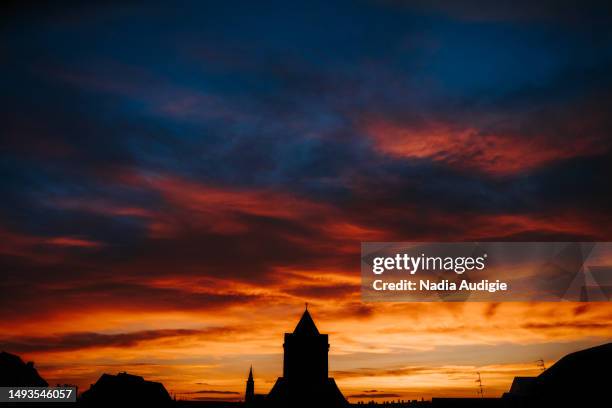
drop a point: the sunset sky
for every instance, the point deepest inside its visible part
(178, 180)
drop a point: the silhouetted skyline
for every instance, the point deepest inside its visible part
(177, 180)
(579, 378)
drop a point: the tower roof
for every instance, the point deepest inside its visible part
(306, 325)
(251, 374)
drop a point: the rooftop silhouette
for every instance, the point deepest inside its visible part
(582, 377)
(125, 388)
(306, 326)
(14, 372)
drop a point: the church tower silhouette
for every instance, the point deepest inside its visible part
(305, 378)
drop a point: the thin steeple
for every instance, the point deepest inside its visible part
(249, 395)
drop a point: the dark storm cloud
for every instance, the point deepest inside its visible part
(375, 395)
(326, 291)
(564, 11)
(42, 299)
(84, 340)
(213, 392)
(566, 325)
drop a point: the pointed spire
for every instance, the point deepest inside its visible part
(249, 394)
(306, 325)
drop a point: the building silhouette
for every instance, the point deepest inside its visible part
(581, 378)
(305, 379)
(125, 389)
(15, 373)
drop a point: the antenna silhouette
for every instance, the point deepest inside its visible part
(480, 390)
(541, 364)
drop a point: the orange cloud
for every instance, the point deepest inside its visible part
(100, 206)
(72, 242)
(38, 248)
(471, 148)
